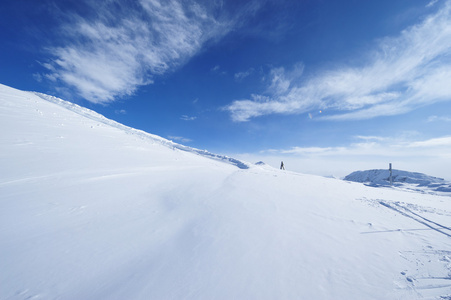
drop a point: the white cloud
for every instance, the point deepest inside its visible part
(120, 112)
(217, 70)
(121, 49)
(180, 139)
(437, 118)
(187, 118)
(370, 138)
(432, 143)
(37, 77)
(432, 3)
(241, 75)
(402, 74)
(380, 146)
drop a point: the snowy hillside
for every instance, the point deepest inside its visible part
(402, 179)
(91, 209)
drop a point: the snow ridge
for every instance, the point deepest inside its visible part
(136, 132)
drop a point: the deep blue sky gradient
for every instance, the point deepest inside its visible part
(188, 101)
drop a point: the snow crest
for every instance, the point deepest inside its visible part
(142, 134)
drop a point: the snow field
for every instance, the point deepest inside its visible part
(91, 209)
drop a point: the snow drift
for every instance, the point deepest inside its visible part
(91, 209)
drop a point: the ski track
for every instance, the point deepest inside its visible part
(409, 214)
(410, 211)
(424, 279)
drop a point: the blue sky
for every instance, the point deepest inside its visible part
(327, 86)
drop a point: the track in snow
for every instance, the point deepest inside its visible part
(414, 216)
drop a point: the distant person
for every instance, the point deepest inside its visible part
(282, 167)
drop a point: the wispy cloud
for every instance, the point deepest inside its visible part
(215, 68)
(125, 46)
(439, 119)
(365, 146)
(241, 75)
(432, 3)
(370, 138)
(402, 74)
(187, 118)
(432, 143)
(180, 139)
(120, 112)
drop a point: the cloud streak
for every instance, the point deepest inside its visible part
(379, 147)
(439, 119)
(124, 47)
(241, 75)
(402, 73)
(187, 118)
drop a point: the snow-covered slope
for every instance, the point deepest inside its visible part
(91, 209)
(99, 119)
(402, 179)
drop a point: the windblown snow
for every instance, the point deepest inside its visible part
(92, 209)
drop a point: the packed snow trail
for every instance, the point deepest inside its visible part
(93, 210)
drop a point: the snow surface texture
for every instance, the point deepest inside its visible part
(91, 209)
(412, 181)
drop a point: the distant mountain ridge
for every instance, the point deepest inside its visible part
(404, 179)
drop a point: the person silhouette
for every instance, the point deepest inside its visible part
(282, 166)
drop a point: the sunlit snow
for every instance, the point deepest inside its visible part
(92, 209)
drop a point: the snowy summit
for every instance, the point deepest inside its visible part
(403, 179)
(92, 209)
